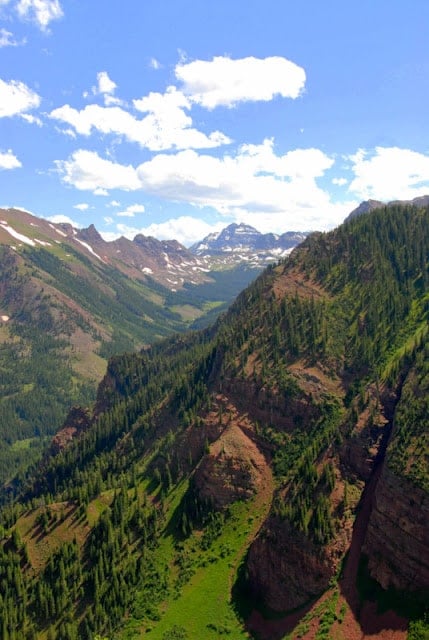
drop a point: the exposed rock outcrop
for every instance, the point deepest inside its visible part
(77, 421)
(286, 569)
(397, 540)
(232, 470)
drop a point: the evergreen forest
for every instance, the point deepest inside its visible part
(220, 473)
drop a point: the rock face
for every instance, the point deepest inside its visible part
(285, 569)
(77, 421)
(397, 540)
(232, 470)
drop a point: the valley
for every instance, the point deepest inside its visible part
(70, 300)
(265, 476)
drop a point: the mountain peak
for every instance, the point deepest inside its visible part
(90, 234)
(364, 207)
(244, 242)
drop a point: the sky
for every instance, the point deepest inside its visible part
(175, 118)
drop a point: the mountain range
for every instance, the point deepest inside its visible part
(264, 477)
(241, 243)
(69, 300)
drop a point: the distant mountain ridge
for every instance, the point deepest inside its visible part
(168, 262)
(238, 242)
(69, 300)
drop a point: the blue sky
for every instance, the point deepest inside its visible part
(175, 118)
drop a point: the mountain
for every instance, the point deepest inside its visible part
(239, 243)
(168, 262)
(69, 300)
(275, 462)
(370, 205)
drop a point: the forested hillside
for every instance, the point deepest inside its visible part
(68, 301)
(225, 477)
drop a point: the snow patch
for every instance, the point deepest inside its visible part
(18, 236)
(147, 270)
(58, 231)
(90, 249)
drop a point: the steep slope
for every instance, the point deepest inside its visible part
(69, 300)
(254, 444)
(398, 534)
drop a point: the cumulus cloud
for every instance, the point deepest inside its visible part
(272, 192)
(42, 12)
(86, 171)
(16, 98)
(83, 206)
(166, 122)
(256, 180)
(106, 87)
(166, 126)
(131, 211)
(390, 173)
(8, 160)
(226, 82)
(105, 84)
(185, 229)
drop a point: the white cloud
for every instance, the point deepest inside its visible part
(114, 203)
(166, 126)
(86, 171)
(131, 210)
(105, 84)
(272, 192)
(226, 82)
(8, 160)
(7, 39)
(389, 173)
(16, 98)
(281, 189)
(42, 12)
(31, 119)
(106, 87)
(185, 229)
(339, 182)
(83, 206)
(61, 219)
